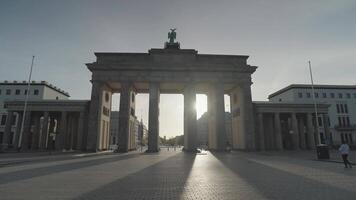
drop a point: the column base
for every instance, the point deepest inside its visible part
(152, 151)
(191, 150)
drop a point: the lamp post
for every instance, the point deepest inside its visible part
(25, 106)
(315, 105)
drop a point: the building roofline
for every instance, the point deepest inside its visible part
(45, 83)
(307, 86)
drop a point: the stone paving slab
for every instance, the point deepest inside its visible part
(179, 175)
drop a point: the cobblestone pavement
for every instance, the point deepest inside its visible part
(178, 175)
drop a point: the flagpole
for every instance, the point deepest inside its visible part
(25, 106)
(315, 105)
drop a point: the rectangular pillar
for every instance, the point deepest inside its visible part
(302, 141)
(153, 118)
(261, 132)
(327, 129)
(247, 116)
(26, 134)
(278, 132)
(8, 125)
(311, 130)
(190, 118)
(44, 132)
(80, 131)
(61, 136)
(217, 127)
(295, 131)
(36, 131)
(124, 118)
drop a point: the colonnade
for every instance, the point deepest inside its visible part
(292, 131)
(45, 130)
(216, 109)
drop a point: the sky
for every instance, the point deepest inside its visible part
(279, 36)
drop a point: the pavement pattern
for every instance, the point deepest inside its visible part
(177, 175)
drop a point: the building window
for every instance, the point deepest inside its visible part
(350, 138)
(0, 92)
(348, 95)
(3, 120)
(329, 121)
(332, 95)
(316, 95)
(280, 100)
(324, 95)
(343, 121)
(300, 95)
(25, 92)
(1, 136)
(346, 109)
(35, 92)
(341, 108)
(308, 94)
(14, 120)
(342, 137)
(320, 121)
(355, 95)
(8, 92)
(337, 108)
(340, 95)
(339, 119)
(347, 121)
(17, 92)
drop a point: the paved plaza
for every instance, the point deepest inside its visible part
(175, 175)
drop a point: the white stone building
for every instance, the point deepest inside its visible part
(16, 91)
(134, 138)
(341, 114)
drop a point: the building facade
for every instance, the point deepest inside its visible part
(341, 117)
(203, 129)
(134, 137)
(17, 91)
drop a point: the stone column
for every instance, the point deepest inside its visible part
(295, 131)
(327, 129)
(247, 116)
(80, 131)
(25, 137)
(261, 132)
(310, 130)
(302, 133)
(278, 132)
(18, 129)
(36, 131)
(44, 132)
(190, 118)
(153, 118)
(8, 125)
(216, 125)
(95, 111)
(61, 136)
(124, 118)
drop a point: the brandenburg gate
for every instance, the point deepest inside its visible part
(174, 71)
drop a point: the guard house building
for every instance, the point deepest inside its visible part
(341, 114)
(17, 91)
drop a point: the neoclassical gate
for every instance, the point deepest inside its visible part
(175, 71)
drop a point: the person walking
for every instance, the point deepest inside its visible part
(345, 150)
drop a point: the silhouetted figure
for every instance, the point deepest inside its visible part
(345, 150)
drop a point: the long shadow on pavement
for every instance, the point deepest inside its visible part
(42, 171)
(164, 180)
(276, 184)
